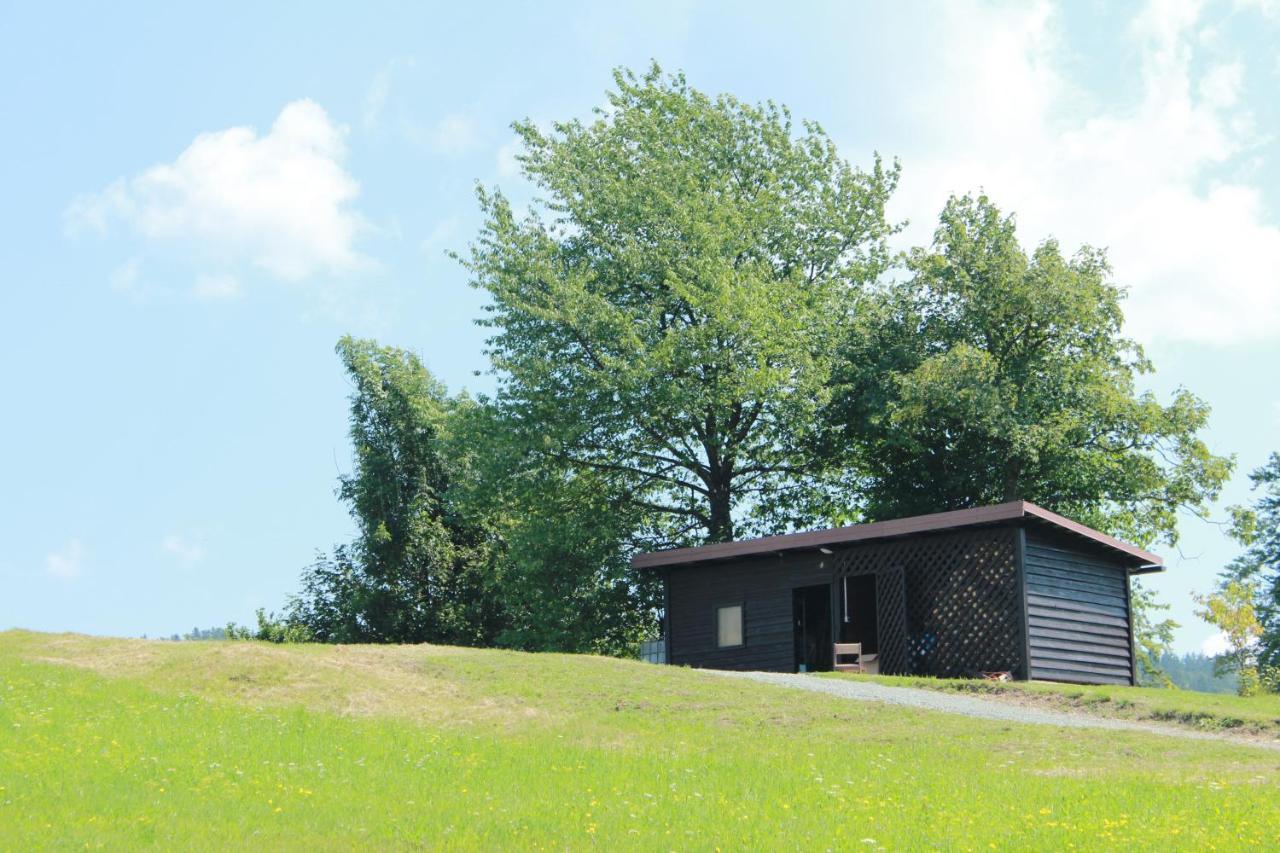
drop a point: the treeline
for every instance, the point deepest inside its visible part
(699, 333)
(1194, 671)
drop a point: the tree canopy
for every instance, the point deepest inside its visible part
(666, 317)
(419, 571)
(564, 540)
(988, 374)
(698, 332)
(463, 536)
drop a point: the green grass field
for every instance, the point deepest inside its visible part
(125, 743)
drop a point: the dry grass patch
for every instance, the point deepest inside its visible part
(395, 681)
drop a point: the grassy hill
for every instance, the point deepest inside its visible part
(122, 743)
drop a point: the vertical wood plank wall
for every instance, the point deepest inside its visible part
(1077, 613)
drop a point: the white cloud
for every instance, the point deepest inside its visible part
(1221, 86)
(186, 552)
(280, 202)
(1214, 645)
(216, 288)
(1150, 180)
(67, 563)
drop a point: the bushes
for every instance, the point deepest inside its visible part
(270, 629)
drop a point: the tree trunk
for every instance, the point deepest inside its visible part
(720, 528)
(1012, 472)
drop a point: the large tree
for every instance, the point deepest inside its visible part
(665, 318)
(419, 570)
(988, 374)
(565, 539)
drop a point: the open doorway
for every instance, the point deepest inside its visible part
(858, 623)
(811, 606)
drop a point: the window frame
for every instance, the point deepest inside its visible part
(742, 623)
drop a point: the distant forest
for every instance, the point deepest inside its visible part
(1194, 671)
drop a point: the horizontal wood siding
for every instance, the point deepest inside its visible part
(1077, 613)
(763, 586)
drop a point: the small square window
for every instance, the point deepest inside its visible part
(729, 625)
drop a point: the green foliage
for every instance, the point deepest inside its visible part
(991, 375)
(418, 571)
(1245, 606)
(1257, 527)
(1152, 639)
(270, 629)
(571, 587)
(663, 322)
(280, 630)
(426, 571)
(332, 601)
(234, 631)
(465, 536)
(1230, 608)
(567, 580)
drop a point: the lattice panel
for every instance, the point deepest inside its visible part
(947, 605)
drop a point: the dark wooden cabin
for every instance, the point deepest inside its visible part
(1005, 588)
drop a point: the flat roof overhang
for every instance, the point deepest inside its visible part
(1138, 561)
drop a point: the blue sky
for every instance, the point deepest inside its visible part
(198, 202)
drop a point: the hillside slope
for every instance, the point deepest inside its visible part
(123, 742)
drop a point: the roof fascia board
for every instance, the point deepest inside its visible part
(819, 539)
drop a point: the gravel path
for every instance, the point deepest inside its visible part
(972, 706)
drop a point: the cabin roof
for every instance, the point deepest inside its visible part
(1137, 559)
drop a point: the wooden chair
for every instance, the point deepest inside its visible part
(869, 663)
(853, 650)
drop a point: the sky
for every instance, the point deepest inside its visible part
(198, 202)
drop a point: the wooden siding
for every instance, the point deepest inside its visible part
(948, 604)
(1077, 613)
(959, 605)
(763, 586)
